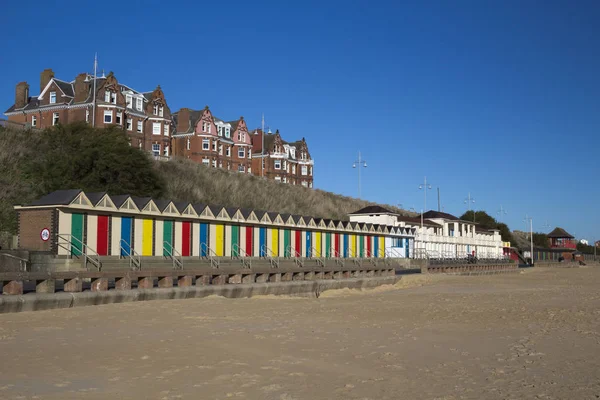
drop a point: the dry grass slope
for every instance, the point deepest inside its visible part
(188, 181)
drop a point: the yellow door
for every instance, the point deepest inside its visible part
(220, 243)
(147, 235)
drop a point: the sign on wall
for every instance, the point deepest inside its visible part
(45, 234)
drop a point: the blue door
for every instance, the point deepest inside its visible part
(346, 247)
(262, 241)
(308, 244)
(203, 240)
(125, 236)
(407, 249)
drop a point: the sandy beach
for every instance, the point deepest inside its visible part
(533, 335)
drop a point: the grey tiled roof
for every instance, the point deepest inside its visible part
(59, 197)
(95, 197)
(66, 87)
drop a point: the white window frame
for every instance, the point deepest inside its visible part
(129, 123)
(140, 127)
(33, 121)
(55, 118)
(241, 168)
(277, 164)
(241, 152)
(156, 128)
(220, 130)
(220, 149)
(108, 113)
(228, 151)
(188, 144)
(107, 96)
(277, 179)
(166, 150)
(129, 101)
(214, 145)
(205, 144)
(119, 118)
(214, 163)
(52, 97)
(139, 104)
(304, 170)
(156, 149)
(113, 97)
(166, 129)
(155, 109)
(227, 132)
(161, 111)
(87, 115)
(293, 168)
(206, 161)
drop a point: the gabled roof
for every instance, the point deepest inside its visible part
(66, 87)
(59, 197)
(439, 214)
(181, 205)
(141, 202)
(119, 199)
(95, 197)
(560, 233)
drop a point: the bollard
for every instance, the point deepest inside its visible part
(262, 278)
(276, 277)
(13, 287)
(165, 282)
(45, 286)
(184, 281)
(237, 278)
(287, 276)
(248, 278)
(73, 285)
(123, 283)
(99, 284)
(203, 280)
(219, 279)
(146, 283)
(298, 276)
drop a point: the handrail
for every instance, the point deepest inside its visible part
(320, 260)
(370, 257)
(210, 254)
(266, 253)
(94, 258)
(298, 260)
(245, 259)
(175, 255)
(135, 261)
(22, 261)
(337, 257)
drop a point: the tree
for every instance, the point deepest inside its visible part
(77, 156)
(540, 240)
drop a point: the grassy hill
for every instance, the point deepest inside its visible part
(33, 163)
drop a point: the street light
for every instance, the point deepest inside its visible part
(502, 212)
(425, 186)
(360, 162)
(421, 231)
(468, 202)
(530, 234)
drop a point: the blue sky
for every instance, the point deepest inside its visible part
(497, 98)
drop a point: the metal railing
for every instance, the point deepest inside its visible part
(89, 255)
(299, 261)
(370, 257)
(135, 261)
(266, 252)
(242, 256)
(174, 254)
(22, 261)
(338, 259)
(210, 254)
(319, 259)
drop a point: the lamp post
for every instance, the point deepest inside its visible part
(421, 231)
(530, 234)
(357, 164)
(468, 201)
(502, 211)
(424, 186)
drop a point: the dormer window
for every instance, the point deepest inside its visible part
(220, 130)
(161, 111)
(205, 126)
(241, 136)
(52, 97)
(110, 97)
(155, 109)
(129, 100)
(138, 104)
(227, 133)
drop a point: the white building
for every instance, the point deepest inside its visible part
(434, 235)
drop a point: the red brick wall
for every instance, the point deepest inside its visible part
(31, 223)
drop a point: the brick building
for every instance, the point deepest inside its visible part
(287, 162)
(145, 116)
(205, 139)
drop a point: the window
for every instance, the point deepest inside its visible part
(220, 149)
(205, 144)
(52, 97)
(228, 151)
(108, 117)
(87, 115)
(140, 127)
(33, 121)
(285, 165)
(166, 151)
(241, 152)
(220, 164)
(129, 124)
(156, 128)
(304, 183)
(294, 169)
(214, 163)
(241, 168)
(284, 179)
(249, 154)
(138, 103)
(188, 144)
(139, 144)
(227, 133)
(205, 127)
(277, 164)
(113, 97)
(161, 111)
(129, 101)
(242, 136)
(107, 96)
(277, 179)
(54, 118)
(155, 149)
(310, 171)
(110, 97)
(220, 130)
(119, 118)
(304, 170)
(205, 161)
(310, 184)
(214, 145)
(155, 109)
(166, 129)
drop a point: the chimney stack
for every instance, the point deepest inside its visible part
(183, 120)
(21, 95)
(81, 88)
(45, 77)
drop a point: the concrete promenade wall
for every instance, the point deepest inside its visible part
(48, 301)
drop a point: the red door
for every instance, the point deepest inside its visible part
(337, 245)
(249, 247)
(369, 253)
(298, 243)
(102, 245)
(185, 238)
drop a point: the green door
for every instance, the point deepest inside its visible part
(235, 240)
(168, 238)
(287, 239)
(362, 246)
(328, 245)
(76, 234)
